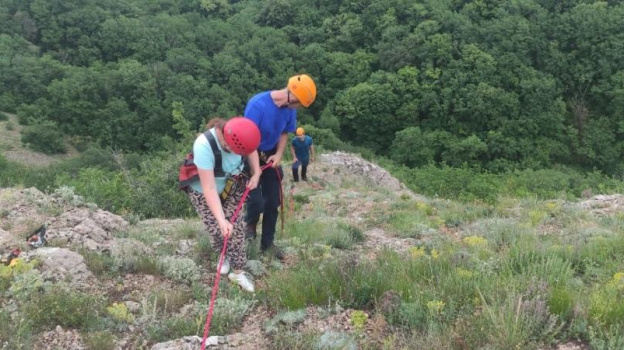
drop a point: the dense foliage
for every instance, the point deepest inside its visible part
(499, 85)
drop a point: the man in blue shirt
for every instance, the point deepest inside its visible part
(300, 148)
(274, 112)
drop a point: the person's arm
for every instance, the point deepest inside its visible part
(281, 146)
(254, 163)
(292, 151)
(209, 187)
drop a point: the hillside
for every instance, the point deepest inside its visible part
(370, 265)
(12, 148)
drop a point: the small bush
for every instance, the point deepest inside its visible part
(127, 253)
(286, 340)
(99, 341)
(518, 321)
(169, 301)
(64, 307)
(44, 137)
(15, 333)
(120, 313)
(561, 302)
(179, 269)
(228, 314)
(3, 116)
(174, 328)
(607, 339)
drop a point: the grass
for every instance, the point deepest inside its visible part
(517, 272)
(67, 308)
(99, 341)
(504, 280)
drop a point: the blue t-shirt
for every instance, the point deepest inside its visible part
(203, 157)
(271, 119)
(302, 147)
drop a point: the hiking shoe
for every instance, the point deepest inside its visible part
(250, 232)
(275, 251)
(243, 281)
(225, 268)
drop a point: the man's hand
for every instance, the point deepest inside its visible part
(253, 181)
(226, 228)
(276, 159)
(295, 160)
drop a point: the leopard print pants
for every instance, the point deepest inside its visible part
(236, 244)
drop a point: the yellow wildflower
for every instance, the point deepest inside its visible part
(476, 241)
(463, 273)
(417, 252)
(435, 306)
(435, 254)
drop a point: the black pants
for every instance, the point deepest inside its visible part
(265, 200)
(304, 170)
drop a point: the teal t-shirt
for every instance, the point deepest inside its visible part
(204, 159)
(302, 147)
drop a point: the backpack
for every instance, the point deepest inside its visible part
(188, 169)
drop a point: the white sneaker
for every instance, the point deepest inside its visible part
(225, 268)
(242, 280)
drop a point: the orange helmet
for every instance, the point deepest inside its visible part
(241, 135)
(300, 131)
(303, 87)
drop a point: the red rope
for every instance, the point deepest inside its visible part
(215, 289)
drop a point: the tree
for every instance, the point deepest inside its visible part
(366, 113)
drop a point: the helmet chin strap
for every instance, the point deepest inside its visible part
(287, 104)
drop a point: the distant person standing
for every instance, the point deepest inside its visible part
(301, 148)
(275, 113)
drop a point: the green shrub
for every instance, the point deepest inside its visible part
(456, 183)
(169, 301)
(179, 269)
(8, 102)
(127, 253)
(3, 117)
(100, 341)
(552, 269)
(119, 313)
(64, 307)
(561, 302)
(98, 263)
(228, 314)
(44, 136)
(343, 236)
(606, 339)
(412, 315)
(518, 322)
(287, 340)
(173, 328)
(15, 333)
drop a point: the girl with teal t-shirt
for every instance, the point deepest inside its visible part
(234, 139)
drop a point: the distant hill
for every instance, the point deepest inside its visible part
(12, 148)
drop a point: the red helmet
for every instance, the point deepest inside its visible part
(241, 135)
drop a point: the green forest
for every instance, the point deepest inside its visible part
(487, 86)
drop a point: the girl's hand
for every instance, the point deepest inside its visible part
(226, 228)
(253, 181)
